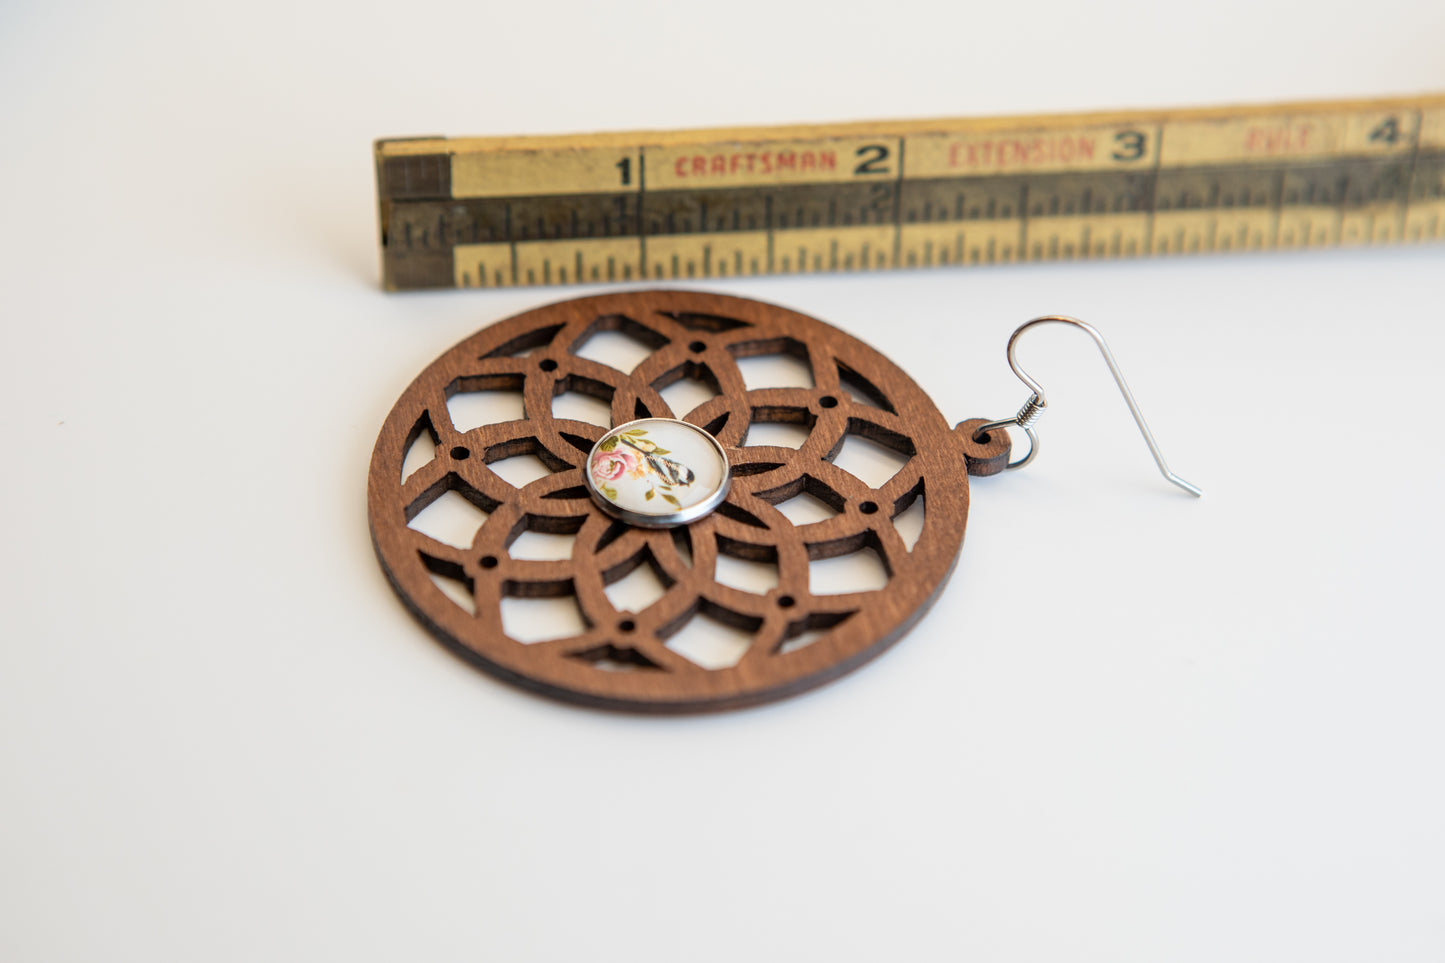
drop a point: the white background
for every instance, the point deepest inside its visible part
(1137, 727)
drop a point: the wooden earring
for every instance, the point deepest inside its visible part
(675, 491)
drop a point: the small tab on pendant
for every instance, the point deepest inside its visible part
(658, 473)
(986, 456)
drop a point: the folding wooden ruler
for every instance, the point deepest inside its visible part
(505, 211)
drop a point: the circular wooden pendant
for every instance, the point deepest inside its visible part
(870, 448)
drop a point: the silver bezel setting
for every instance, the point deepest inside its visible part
(672, 519)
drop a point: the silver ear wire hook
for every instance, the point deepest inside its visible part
(1033, 409)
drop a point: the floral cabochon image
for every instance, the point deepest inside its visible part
(656, 466)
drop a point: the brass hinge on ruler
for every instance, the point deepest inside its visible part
(505, 211)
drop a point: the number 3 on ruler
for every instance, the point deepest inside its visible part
(1130, 145)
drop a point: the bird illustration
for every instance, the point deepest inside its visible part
(675, 472)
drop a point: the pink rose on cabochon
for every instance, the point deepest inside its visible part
(609, 465)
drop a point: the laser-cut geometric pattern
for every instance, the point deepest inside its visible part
(621, 659)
